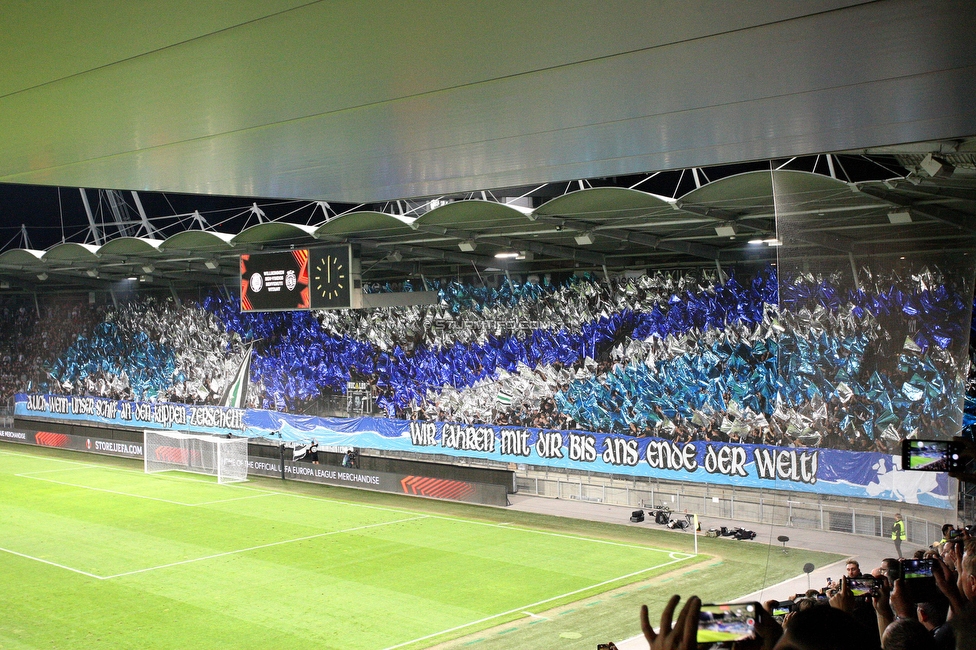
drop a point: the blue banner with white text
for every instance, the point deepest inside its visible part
(823, 471)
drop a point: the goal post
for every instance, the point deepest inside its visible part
(225, 458)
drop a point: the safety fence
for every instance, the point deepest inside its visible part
(869, 517)
(875, 519)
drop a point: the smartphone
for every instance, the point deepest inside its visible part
(916, 569)
(864, 587)
(722, 625)
(919, 579)
(930, 455)
(782, 608)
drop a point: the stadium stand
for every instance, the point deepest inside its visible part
(678, 356)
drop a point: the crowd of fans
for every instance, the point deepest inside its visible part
(680, 356)
(33, 336)
(902, 612)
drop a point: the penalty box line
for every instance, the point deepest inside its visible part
(404, 511)
(137, 496)
(208, 557)
(522, 609)
(474, 522)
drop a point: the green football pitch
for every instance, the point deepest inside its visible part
(96, 554)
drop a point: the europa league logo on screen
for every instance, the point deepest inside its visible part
(275, 281)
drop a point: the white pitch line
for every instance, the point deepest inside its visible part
(211, 503)
(98, 489)
(507, 525)
(401, 511)
(49, 471)
(589, 539)
(124, 494)
(543, 618)
(55, 564)
(136, 496)
(207, 557)
(524, 607)
(260, 546)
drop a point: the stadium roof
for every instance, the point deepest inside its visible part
(578, 135)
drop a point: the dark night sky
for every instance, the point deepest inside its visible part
(51, 214)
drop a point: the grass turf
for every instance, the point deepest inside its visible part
(97, 554)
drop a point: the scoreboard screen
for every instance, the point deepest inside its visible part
(275, 281)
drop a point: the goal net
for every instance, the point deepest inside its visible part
(225, 458)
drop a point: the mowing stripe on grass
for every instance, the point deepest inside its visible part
(675, 555)
(215, 555)
(136, 496)
(531, 605)
(260, 546)
(237, 486)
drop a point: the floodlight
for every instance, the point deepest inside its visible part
(727, 230)
(584, 238)
(936, 167)
(900, 217)
(468, 245)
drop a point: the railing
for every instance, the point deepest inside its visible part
(868, 517)
(860, 517)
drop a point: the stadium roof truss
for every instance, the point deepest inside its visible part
(698, 218)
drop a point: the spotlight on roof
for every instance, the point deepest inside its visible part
(756, 242)
(468, 245)
(936, 166)
(148, 268)
(212, 264)
(42, 276)
(900, 217)
(145, 278)
(506, 255)
(584, 238)
(528, 256)
(4, 285)
(92, 273)
(727, 230)
(395, 256)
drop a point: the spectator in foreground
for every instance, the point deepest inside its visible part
(816, 628)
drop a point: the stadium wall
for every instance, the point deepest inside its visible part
(416, 483)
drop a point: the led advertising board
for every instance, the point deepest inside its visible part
(275, 281)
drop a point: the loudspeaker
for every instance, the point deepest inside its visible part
(637, 516)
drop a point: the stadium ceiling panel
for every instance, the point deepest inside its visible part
(198, 240)
(365, 223)
(290, 98)
(72, 252)
(274, 232)
(130, 246)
